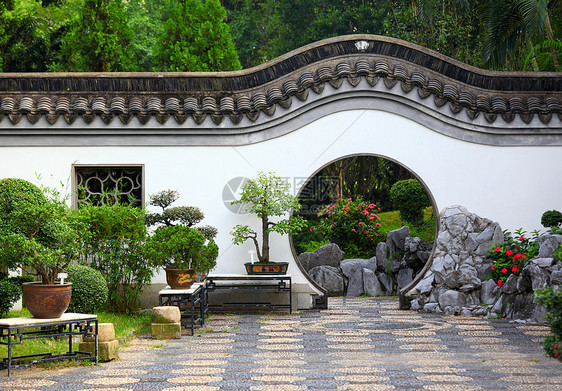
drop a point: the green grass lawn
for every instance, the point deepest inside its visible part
(391, 221)
(126, 327)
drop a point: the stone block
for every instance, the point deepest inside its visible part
(107, 351)
(106, 333)
(166, 330)
(166, 314)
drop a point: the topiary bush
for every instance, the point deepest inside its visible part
(14, 191)
(551, 219)
(410, 198)
(9, 294)
(89, 289)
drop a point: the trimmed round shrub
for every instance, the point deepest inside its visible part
(551, 219)
(410, 198)
(89, 289)
(14, 191)
(9, 294)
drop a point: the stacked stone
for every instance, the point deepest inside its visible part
(396, 263)
(108, 346)
(459, 279)
(166, 322)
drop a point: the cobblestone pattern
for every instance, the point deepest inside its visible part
(357, 344)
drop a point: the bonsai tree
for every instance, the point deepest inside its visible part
(268, 197)
(177, 243)
(181, 247)
(34, 230)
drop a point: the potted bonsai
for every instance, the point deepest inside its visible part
(177, 245)
(35, 232)
(268, 196)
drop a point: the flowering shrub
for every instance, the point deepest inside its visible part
(354, 224)
(509, 257)
(551, 299)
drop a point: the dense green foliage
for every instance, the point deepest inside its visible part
(551, 219)
(198, 35)
(353, 224)
(9, 294)
(410, 199)
(181, 247)
(35, 231)
(89, 289)
(551, 299)
(196, 39)
(510, 256)
(111, 241)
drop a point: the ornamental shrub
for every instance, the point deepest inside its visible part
(89, 289)
(410, 198)
(551, 299)
(353, 225)
(551, 219)
(14, 192)
(9, 294)
(510, 256)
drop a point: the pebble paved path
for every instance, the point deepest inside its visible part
(357, 344)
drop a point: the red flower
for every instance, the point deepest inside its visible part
(522, 238)
(556, 346)
(497, 249)
(509, 253)
(312, 229)
(514, 269)
(556, 355)
(504, 270)
(500, 283)
(493, 267)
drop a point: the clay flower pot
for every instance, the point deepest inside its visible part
(46, 301)
(180, 279)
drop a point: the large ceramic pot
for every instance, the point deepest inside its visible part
(180, 279)
(47, 301)
(275, 268)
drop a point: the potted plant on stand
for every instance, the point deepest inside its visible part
(182, 249)
(268, 196)
(35, 232)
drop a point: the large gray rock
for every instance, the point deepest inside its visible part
(371, 283)
(548, 244)
(330, 278)
(452, 298)
(405, 276)
(327, 255)
(425, 285)
(489, 292)
(395, 239)
(386, 282)
(353, 270)
(556, 277)
(539, 277)
(381, 255)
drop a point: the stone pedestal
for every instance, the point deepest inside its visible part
(108, 346)
(166, 322)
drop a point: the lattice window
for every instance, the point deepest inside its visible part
(109, 185)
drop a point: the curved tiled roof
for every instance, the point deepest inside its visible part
(259, 91)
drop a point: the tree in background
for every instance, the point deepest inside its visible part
(99, 40)
(196, 38)
(523, 35)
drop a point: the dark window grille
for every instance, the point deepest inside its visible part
(97, 185)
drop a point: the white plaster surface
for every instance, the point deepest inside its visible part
(511, 185)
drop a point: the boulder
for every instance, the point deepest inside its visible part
(489, 292)
(395, 240)
(353, 270)
(425, 285)
(328, 255)
(452, 298)
(386, 282)
(371, 284)
(538, 277)
(381, 255)
(330, 278)
(556, 277)
(548, 244)
(405, 276)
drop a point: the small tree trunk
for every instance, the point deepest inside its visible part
(265, 246)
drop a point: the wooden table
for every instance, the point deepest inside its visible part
(276, 283)
(13, 331)
(191, 302)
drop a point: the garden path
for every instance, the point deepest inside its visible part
(356, 344)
